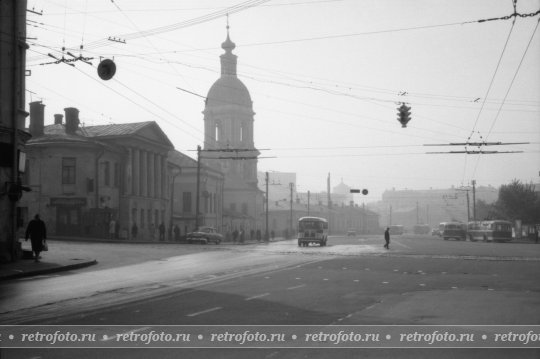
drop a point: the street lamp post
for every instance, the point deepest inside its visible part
(197, 195)
(176, 174)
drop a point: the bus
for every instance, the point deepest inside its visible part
(456, 230)
(490, 231)
(312, 230)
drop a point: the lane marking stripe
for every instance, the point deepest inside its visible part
(204, 312)
(296, 287)
(257, 296)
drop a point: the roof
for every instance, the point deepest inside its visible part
(121, 129)
(228, 90)
(57, 133)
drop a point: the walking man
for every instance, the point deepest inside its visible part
(38, 234)
(387, 238)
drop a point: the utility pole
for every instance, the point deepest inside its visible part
(291, 203)
(329, 204)
(197, 195)
(474, 199)
(308, 198)
(266, 234)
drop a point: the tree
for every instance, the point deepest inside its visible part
(519, 201)
(486, 211)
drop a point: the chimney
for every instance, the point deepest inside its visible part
(72, 120)
(36, 118)
(58, 118)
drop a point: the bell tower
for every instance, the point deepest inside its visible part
(228, 126)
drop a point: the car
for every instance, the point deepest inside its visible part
(351, 232)
(204, 235)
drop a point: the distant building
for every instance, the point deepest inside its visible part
(183, 179)
(228, 126)
(429, 206)
(83, 177)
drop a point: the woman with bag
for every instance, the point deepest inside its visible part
(38, 234)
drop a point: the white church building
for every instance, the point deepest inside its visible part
(229, 145)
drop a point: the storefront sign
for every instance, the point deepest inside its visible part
(68, 201)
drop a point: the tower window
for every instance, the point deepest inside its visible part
(217, 133)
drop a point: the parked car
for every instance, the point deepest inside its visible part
(351, 233)
(204, 235)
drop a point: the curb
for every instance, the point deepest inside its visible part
(48, 270)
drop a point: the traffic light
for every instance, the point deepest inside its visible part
(404, 114)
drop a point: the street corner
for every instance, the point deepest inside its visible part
(29, 268)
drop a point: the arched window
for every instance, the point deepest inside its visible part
(217, 132)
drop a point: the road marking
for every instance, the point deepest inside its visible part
(357, 280)
(296, 287)
(384, 282)
(257, 296)
(204, 312)
(325, 279)
(400, 244)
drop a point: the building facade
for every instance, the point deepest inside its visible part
(12, 121)
(183, 194)
(229, 144)
(84, 177)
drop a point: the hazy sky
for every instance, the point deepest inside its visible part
(325, 77)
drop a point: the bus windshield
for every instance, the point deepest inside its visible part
(310, 224)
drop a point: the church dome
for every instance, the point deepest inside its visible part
(228, 90)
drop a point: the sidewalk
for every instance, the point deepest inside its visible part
(62, 259)
(59, 259)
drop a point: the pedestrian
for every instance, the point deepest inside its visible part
(37, 232)
(162, 231)
(112, 228)
(176, 233)
(235, 235)
(134, 231)
(387, 238)
(258, 234)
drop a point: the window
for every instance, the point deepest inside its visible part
(233, 207)
(186, 202)
(142, 218)
(244, 208)
(68, 170)
(106, 173)
(116, 178)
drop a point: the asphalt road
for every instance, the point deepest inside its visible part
(421, 280)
